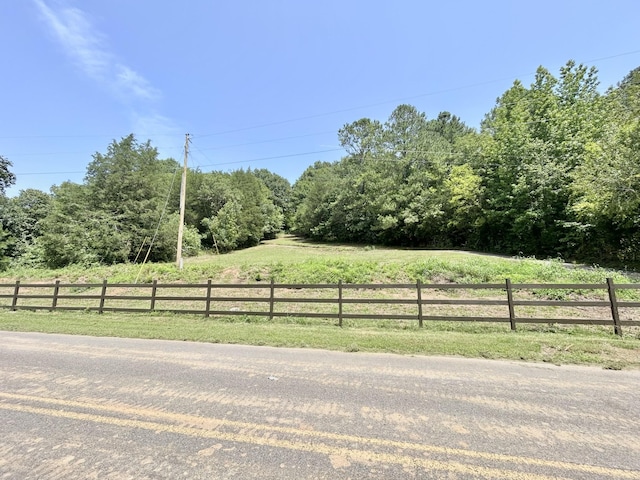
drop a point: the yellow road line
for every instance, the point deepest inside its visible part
(350, 454)
(212, 424)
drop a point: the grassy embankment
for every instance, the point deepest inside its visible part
(288, 260)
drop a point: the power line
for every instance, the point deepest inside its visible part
(9, 137)
(41, 154)
(273, 158)
(276, 157)
(307, 117)
(523, 100)
(202, 150)
(48, 173)
(401, 99)
(268, 141)
(301, 154)
(164, 210)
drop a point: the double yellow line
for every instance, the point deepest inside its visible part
(370, 450)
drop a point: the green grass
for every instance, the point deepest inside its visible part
(290, 260)
(575, 345)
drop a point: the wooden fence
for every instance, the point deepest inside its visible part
(411, 301)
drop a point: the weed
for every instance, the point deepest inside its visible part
(614, 365)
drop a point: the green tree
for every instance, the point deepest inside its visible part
(242, 211)
(389, 189)
(207, 194)
(260, 219)
(115, 212)
(362, 138)
(5, 244)
(606, 185)
(22, 218)
(6, 177)
(314, 194)
(531, 142)
(130, 183)
(166, 241)
(73, 232)
(280, 193)
(224, 226)
(552, 171)
(464, 193)
(449, 126)
(393, 193)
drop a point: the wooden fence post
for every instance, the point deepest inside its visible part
(272, 295)
(617, 328)
(512, 313)
(419, 288)
(154, 290)
(102, 295)
(340, 303)
(56, 291)
(16, 291)
(207, 307)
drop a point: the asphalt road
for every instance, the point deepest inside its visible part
(76, 407)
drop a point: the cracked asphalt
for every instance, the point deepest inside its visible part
(78, 407)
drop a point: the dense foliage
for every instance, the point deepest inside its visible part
(553, 171)
(127, 211)
(7, 178)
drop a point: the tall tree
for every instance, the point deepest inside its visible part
(404, 129)
(129, 183)
(389, 189)
(449, 126)
(116, 212)
(606, 185)
(533, 139)
(362, 138)
(207, 193)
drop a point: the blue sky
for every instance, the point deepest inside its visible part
(268, 83)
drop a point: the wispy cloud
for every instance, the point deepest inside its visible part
(129, 80)
(155, 122)
(89, 50)
(163, 130)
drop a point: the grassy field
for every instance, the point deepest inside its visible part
(291, 260)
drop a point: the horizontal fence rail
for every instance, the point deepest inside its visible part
(403, 301)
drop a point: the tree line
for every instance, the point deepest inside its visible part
(127, 210)
(553, 170)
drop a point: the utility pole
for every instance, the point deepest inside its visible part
(183, 197)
